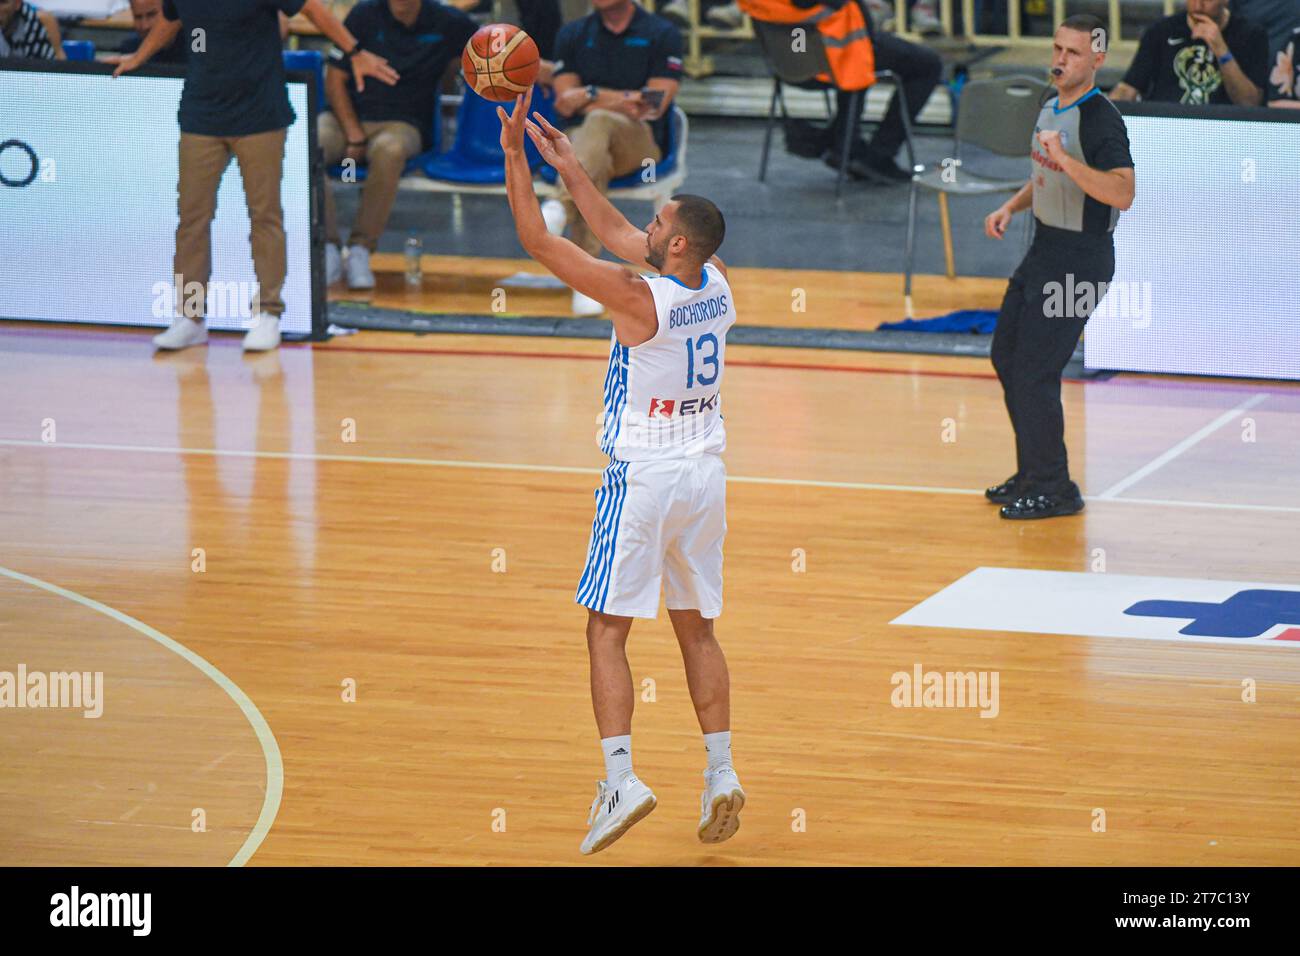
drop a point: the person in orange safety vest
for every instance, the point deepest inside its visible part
(855, 51)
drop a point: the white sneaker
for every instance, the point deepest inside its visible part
(333, 263)
(678, 11)
(264, 334)
(585, 305)
(720, 805)
(359, 274)
(614, 811)
(726, 17)
(181, 334)
(555, 216)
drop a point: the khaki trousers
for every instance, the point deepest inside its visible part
(388, 147)
(608, 145)
(203, 161)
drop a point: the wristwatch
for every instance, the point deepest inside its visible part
(349, 54)
(592, 92)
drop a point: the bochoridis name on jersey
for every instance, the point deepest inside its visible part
(666, 401)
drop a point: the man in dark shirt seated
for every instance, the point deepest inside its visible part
(1204, 54)
(144, 13)
(384, 126)
(604, 63)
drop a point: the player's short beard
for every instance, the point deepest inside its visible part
(655, 256)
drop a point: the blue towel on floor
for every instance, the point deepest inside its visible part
(981, 321)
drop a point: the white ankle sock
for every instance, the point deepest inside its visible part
(618, 758)
(718, 747)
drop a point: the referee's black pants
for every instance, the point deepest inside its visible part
(1034, 339)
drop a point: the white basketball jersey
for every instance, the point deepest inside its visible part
(663, 398)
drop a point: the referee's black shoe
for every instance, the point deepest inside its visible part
(1043, 506)
(1005, 493)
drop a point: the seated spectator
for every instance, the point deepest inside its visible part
(384, 126)
(855, 48)
(25, 33)
(144, 14)
(604, 61)
(1204, 54)
(1284, 81)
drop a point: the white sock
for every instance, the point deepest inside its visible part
(718, 747)
(618, 758)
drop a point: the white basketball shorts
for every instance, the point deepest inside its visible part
(659, 522)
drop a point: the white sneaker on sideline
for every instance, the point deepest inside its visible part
(585, 305)
(614, 811)
(720, 805)
(181, 334)
(726, 16)
(359, 274)
(333, 263)
(264, 334)
(555, 216)
(678, 11)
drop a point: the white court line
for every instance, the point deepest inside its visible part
(575, 470)
(270, 749)
(1194, 438)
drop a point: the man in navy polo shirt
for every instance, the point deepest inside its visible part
(603, 62)
(235, 104)
(384, 126)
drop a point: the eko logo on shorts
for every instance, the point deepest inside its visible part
(666, 407)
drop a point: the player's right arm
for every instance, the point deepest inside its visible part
(159, 37)
(610, 226)
(627, 296)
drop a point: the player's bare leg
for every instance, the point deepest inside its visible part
(611, 676)
(710, 687)
(621, 798)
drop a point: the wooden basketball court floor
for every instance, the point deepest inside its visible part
(200, 528)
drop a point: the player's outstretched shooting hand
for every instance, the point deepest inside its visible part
(551, 143)
(512, 124)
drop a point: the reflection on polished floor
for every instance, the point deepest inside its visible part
(368, 549)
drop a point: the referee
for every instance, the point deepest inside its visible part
(1082, 179)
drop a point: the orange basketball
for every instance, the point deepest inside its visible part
(500, 62)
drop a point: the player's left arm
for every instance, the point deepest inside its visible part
(364, 63)
(626, 295)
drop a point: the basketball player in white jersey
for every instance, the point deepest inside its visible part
(661, 507)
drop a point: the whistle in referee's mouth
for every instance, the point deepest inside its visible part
(1057, 71)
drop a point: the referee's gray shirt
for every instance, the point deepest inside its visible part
(1093, 132)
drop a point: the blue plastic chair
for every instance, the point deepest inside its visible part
(79, 51)
(663, 168)
(308, 61)
(476, 158)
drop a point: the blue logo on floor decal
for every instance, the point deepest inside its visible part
(1245, 614)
